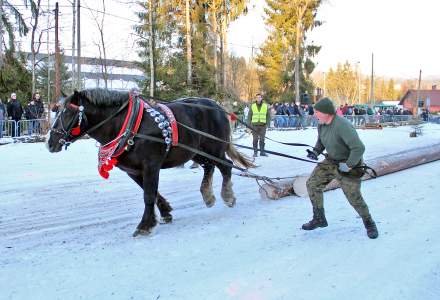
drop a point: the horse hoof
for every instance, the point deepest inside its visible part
(210, 201)
(209, 204)
(166, 220)
(230, 203)
(143, 232)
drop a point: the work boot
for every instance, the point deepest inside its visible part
(317, 221)
(371, 228)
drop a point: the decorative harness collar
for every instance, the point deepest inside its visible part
(108, 153)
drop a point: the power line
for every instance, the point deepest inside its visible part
(109, 14)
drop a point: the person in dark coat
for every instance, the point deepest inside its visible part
(15, 112)
(2, 117)
(31, 114)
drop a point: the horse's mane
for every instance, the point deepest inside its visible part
(103, 97)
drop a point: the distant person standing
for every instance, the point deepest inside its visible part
(31, 114)
(15, 112)
(343, 163)
(2, 117)
(40, 111)
(259, 118)
(246, 113)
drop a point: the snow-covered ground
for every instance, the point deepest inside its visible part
(65, 233)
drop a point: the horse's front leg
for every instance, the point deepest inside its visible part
(150, 184)
(162, 204)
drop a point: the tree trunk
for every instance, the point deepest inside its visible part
(214, 29)
(1, 34)
(35, 50)
(297, 54)
(73, 43)
(57, 58)
(151, 48)
(224, 44)
(188, 46)
(382, 165)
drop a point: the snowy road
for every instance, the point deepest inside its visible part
(65, 233)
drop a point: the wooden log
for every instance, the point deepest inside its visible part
(382, 165)
(372, 126)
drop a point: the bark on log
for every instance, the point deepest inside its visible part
(383, 165)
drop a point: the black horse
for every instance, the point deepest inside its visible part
(101, 113)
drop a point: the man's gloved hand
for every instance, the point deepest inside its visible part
(343, 167)
(312, 154)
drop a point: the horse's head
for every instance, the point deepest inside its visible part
(70, 123)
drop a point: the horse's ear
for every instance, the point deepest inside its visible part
(75, 97)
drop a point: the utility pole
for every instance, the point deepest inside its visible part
(188, 46)
(57, 57)
(416, 105)
(78, 58)
(73, 42)
(48, 60)
(372, 80)
(359, 82)
(1, 35)
(151, 48)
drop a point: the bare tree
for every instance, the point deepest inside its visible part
(35, 41)
(151, 46)
(101, 44)
(188, 44)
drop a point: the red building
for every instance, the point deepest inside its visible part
(428, 99)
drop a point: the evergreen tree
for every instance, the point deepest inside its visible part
(170, 47)
(42, 80)
(289, 21)
(14, 77)
(8, 24)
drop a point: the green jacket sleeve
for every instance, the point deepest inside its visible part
(319, 147)
(354, 143)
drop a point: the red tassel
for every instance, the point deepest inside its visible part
(75, 131)
(113, 161)
(107, 167)
(104, 174)
(233, 117)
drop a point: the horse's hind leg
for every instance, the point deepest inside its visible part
(227, 193)
(164, 208)
(206, 186)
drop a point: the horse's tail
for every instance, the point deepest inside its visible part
(239, 158)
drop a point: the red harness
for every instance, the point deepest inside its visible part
(107, 155)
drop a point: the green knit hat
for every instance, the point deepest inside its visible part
(325, 105)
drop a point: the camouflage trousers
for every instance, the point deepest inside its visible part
(325, 172)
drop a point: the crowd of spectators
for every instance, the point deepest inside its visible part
(29, 114)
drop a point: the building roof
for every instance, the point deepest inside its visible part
(433, 95)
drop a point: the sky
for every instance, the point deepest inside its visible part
(401, 34)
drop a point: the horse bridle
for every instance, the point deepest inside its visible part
(72, 133)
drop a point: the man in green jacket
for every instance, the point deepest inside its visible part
(259, 118)
(343, 162)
